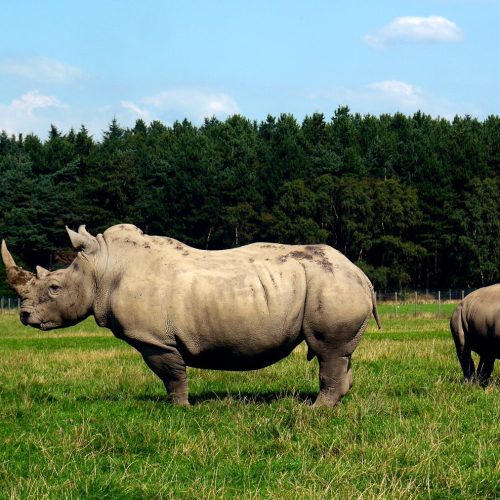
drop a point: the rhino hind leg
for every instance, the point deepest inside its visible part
(467, 364)
(335, 379)
(485, 369)
(170, 367)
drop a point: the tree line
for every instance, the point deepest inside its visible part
(413, 200)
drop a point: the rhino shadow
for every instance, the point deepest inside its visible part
(456, 379)
(240, 396)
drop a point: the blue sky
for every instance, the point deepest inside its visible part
(73, 63)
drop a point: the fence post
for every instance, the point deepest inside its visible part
(450, 295)
(462, 295)
(9, 303)
(396, 303)
(18, 303)
(439, 302)
(1, 305)
(416, 303)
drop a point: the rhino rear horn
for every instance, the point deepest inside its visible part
(41, 272)
(83, 240)
(16, 276)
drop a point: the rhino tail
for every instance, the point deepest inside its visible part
(461, 344)
(374, 308)
(457, 329)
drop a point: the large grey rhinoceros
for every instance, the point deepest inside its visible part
(238, 309)
(475, 326)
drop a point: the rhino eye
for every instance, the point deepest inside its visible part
(54, 288)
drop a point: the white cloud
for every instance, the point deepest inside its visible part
(399, 93)
(391, 96)
(23, 113)
(34, 111)
(41, 69)
(193, 103)
(140, 112)
(33, 100)
(432, 28)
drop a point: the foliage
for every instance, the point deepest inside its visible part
(412, 200)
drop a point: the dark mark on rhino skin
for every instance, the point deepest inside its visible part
(251, 260)
(185, 253)
(18, 276)
(312, 253)
(315, 250)
(299, 254)
(146, 245)
(325, 264)
(271, 245)
(319, 307)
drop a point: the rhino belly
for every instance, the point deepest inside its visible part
(235, 340)
(236, 358)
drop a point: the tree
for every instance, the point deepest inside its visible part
(478, 233)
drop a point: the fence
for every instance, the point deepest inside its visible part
(9, 303)
(421, 302)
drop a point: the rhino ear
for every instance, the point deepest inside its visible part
(41, 272)
(82, 240)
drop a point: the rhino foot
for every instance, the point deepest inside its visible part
(327, 399)
(179, 399)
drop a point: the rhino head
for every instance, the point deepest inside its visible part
(60, 298)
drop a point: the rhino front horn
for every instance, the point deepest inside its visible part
(16, 276)
(7, 258)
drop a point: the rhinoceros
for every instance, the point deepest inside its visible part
(237, 309)
(475, 326)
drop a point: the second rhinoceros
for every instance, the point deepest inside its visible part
(475, 326)
(237, 309)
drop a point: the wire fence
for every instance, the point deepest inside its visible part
(421, 302)
(9, 304)
(415, 302)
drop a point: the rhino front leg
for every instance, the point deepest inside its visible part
(335, 379)
(170, 367)
(484, 369)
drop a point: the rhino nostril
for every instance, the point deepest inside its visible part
(24, 316)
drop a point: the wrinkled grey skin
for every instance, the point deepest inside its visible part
(475, 326)
(238, 309)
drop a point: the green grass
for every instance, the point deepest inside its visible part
(82, 416)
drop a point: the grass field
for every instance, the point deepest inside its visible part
(82, 416)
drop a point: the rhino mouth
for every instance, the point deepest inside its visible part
(48, 325)
(29, 319)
